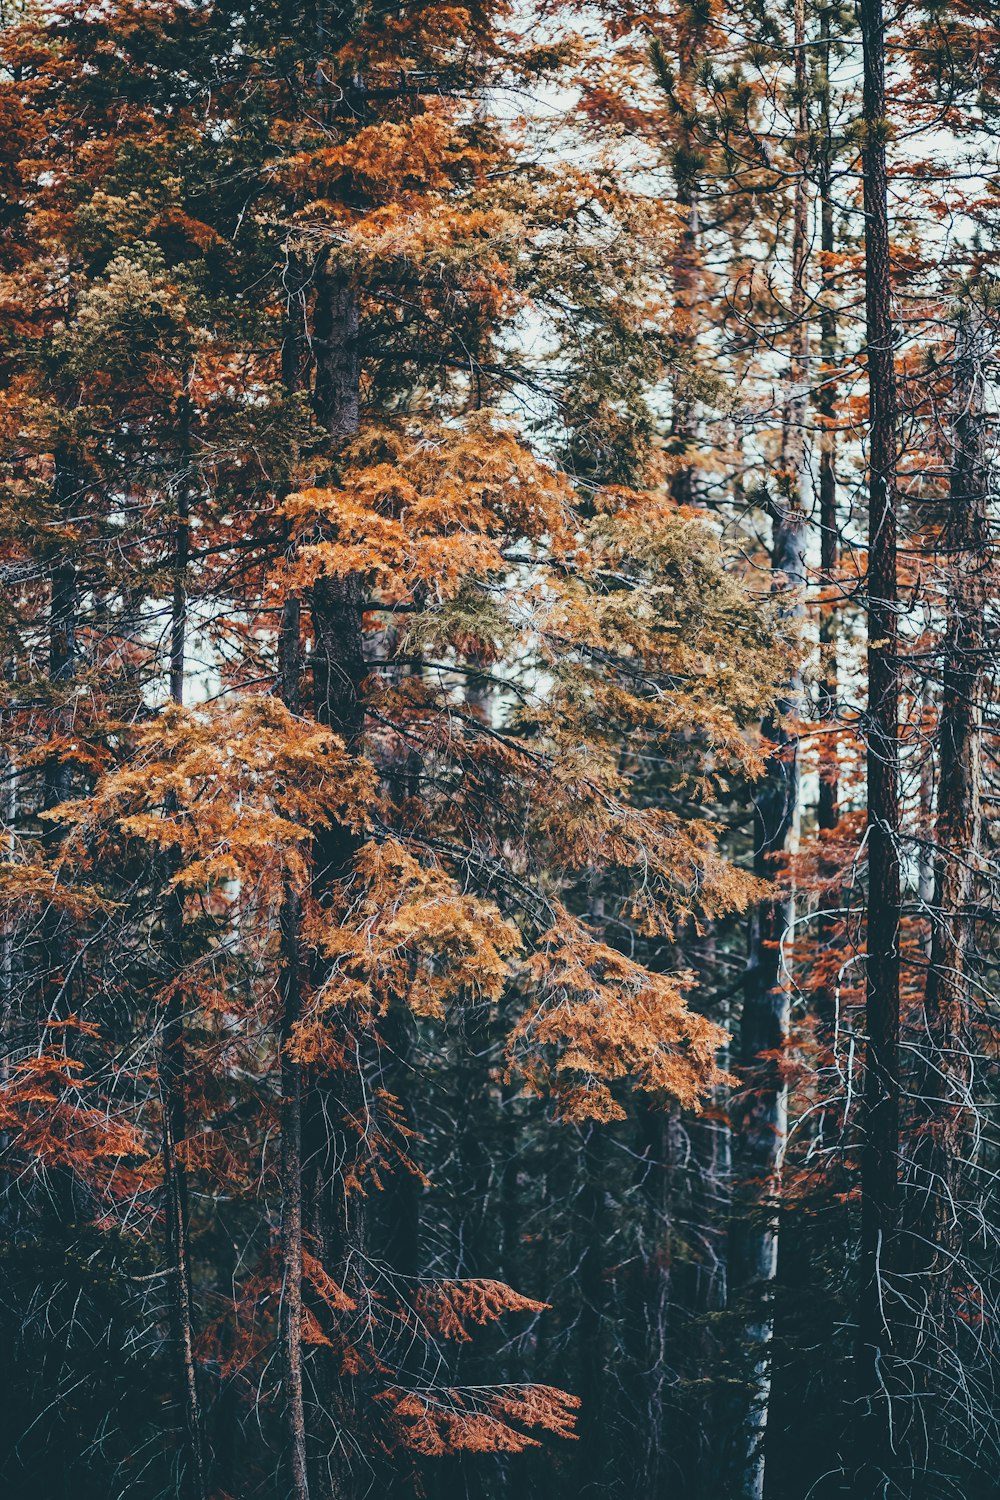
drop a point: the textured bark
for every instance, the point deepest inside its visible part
(945, 1087)
(337, 386)
(338, 671)
(827, 812)
(685, 270)
(875, 1427)
(760, 1113)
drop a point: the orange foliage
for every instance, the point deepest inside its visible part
(498, 1419)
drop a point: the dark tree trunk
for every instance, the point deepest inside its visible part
(337, 383)
(338, 664)
(876, 1426)
(827, 811)
(685, 270)
(937, 1176)
(959, 803)
(591, 1328)
(334, 1107)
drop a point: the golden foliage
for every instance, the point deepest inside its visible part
(412, 936)
(231, 793)
(429, 507)
(597, 1018)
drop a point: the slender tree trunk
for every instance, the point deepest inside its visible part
(54, 961)
(172, 1055)
(827, 810)
(8, 1004)
(945, 1093)
(291, 1203)
(682, 421)
(592, 1325)
(875, 1427)
(925, 829)
(63, 609)
(828, 928)
(291, 1310)
(172, 1067)
(686, 264)
(760, 1114)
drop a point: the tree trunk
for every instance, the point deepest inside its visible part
(337, 385)
(54, 961)
(760, 1113)
(172, 1058)
(334, 1108)
(291, 1203)
(945, 1093)
(290, 1321)
(338, 666)
(686, 262)
(172, 1067)
(593, 1387)
(827, 812)
(64, 605)
(8, 1005)
(875, 1430)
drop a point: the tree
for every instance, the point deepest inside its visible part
(880, 1149)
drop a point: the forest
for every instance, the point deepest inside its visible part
(499, 859)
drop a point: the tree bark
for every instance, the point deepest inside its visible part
(333, 1109)
(338, 663)
(827, 810)
(760, 1113)
(875, 1430)
(337, 382)
(945, 1091)
(686, 262)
